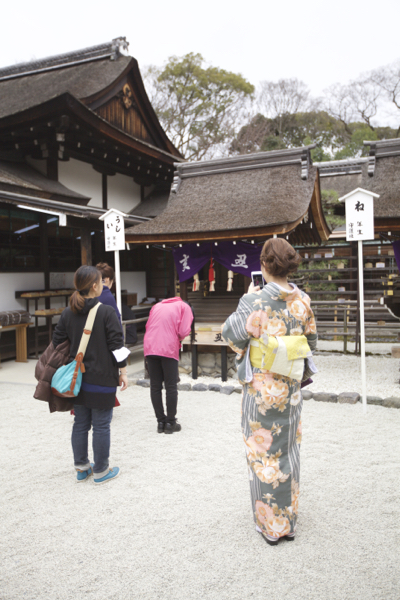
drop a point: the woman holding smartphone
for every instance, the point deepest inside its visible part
(273, 333)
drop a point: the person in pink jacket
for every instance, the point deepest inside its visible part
(169, 323)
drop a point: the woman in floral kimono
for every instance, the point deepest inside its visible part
(272, 362)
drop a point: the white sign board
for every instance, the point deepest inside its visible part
(114, 231)
(360, 226)
(359, 215)
(114, 237)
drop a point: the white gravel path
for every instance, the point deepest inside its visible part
(342, 372)
(177, 523)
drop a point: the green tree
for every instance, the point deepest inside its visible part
(303, 128)
(199, 106)
(355, 145)
(333, 210)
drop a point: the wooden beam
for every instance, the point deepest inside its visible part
(104, 190)
(86, 246)
(224, 234)
(318, 217)
(52, 165)
(44, 254)
(104, 165)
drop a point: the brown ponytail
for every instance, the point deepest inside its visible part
(84, 278)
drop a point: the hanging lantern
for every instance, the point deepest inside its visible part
(230, 281)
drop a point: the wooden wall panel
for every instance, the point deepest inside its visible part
(126, 119)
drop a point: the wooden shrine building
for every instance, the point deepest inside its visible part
(239, 199)
(78, 136)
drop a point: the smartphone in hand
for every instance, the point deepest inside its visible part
(257, 279)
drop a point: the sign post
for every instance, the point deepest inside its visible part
(360, 226)
(114, 237)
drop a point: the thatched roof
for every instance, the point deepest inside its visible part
(82, 86)
(384, 177)
(20, 178)
(257, 194)
(378, 173)
(153, 205)
(82, 73)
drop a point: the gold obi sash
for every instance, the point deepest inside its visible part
(283, 355)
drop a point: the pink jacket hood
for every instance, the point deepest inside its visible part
(169, 323)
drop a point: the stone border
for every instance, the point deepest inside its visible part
(343, 398)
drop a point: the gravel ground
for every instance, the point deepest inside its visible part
(342, 372)
(177, 523)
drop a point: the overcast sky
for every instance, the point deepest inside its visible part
(316, 41)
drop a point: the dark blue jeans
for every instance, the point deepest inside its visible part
(100, 420)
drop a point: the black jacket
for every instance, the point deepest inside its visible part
(100, 364)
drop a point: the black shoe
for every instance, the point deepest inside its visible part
(289, 538)
(270, 542)
(160, 427)
(171, 427)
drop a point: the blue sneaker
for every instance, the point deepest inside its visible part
(84, 475)
(112, 474)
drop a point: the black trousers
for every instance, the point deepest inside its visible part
(163, 369)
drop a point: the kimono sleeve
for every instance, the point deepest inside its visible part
(234, 329)
(310, 330)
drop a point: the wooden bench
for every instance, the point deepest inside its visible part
(20, 340)
(48, 314)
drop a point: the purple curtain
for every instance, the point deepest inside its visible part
(190, 259)
(240, 258)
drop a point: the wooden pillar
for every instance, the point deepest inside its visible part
(224, 363)
(86, 247)
(184, 291)
(98, 247)
(171, 266)
(194, 361)
(21, 342)
(247, 281)
(52, 166)
(44, 254)
(104, 190)
(147, 262)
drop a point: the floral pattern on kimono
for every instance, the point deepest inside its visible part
(271, 405)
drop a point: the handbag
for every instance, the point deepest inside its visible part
(67, 380)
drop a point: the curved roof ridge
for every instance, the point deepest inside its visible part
(110, 49)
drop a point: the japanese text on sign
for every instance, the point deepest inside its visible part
(359, 219)
(114, 232)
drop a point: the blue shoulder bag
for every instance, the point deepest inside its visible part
(67, 380)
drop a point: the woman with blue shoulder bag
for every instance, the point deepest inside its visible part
(104, 369)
